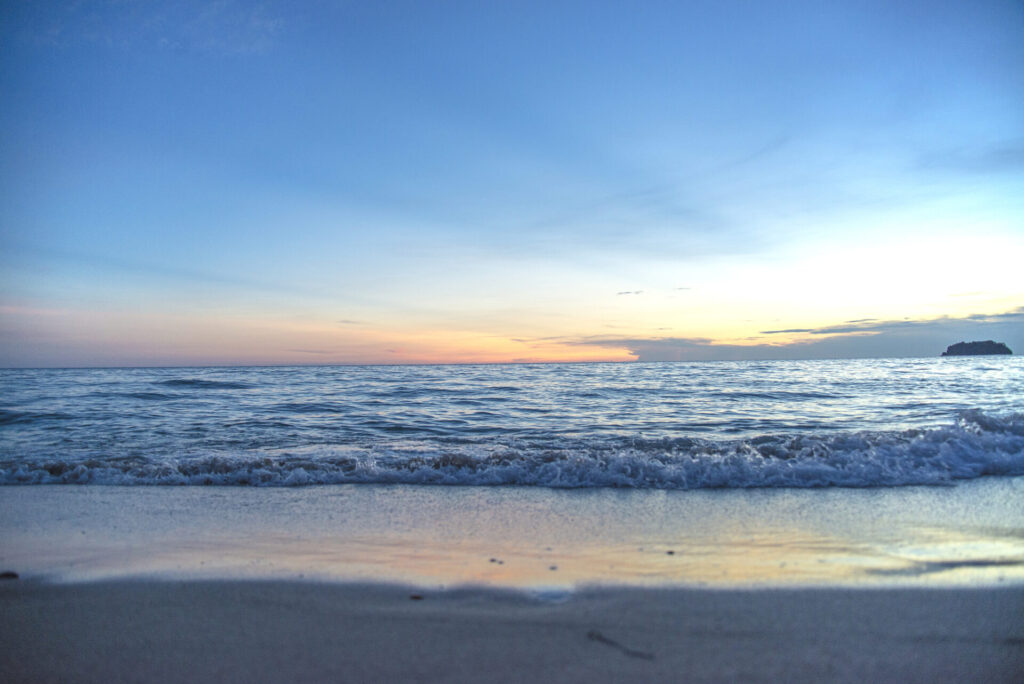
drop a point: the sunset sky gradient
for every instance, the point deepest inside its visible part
(389, 182)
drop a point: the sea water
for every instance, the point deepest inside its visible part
(674, 426)
(724, 474)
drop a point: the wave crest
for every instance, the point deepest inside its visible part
(977, 444)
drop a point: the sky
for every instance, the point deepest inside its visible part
(236, 183)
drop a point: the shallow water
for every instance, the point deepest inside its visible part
(541, 539)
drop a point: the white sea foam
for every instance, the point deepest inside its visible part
(977, 444)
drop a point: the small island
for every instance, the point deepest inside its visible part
(976, 348)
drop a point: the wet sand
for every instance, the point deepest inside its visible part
(514, 584)
(262, 631)
(966, 536)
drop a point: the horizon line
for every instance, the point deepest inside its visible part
(492, 363)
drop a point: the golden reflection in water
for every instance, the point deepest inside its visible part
(971, 534)
(742, 560)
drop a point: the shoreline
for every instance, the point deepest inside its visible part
(452, 584)
(968, 535)
(272, 630)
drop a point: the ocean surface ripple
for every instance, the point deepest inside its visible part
(861, 423)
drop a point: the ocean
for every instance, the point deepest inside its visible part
(673, 426)
(543, 478)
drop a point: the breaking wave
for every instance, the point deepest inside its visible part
(976, 445)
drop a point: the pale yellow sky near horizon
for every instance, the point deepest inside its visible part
(731, 302)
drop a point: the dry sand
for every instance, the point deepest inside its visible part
(254, 631)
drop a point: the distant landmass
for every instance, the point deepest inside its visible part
(976, 348)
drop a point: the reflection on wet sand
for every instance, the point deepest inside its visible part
(524, 537)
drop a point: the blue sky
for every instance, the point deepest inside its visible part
(319, 182)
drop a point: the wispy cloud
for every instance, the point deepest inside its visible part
(872, 325)
(145, 270)
(1006, 156)
(867, 338)
(629, 292)
(786, 330)
(150, 269)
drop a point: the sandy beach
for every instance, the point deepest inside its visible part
(469, 584)
(251, 631)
